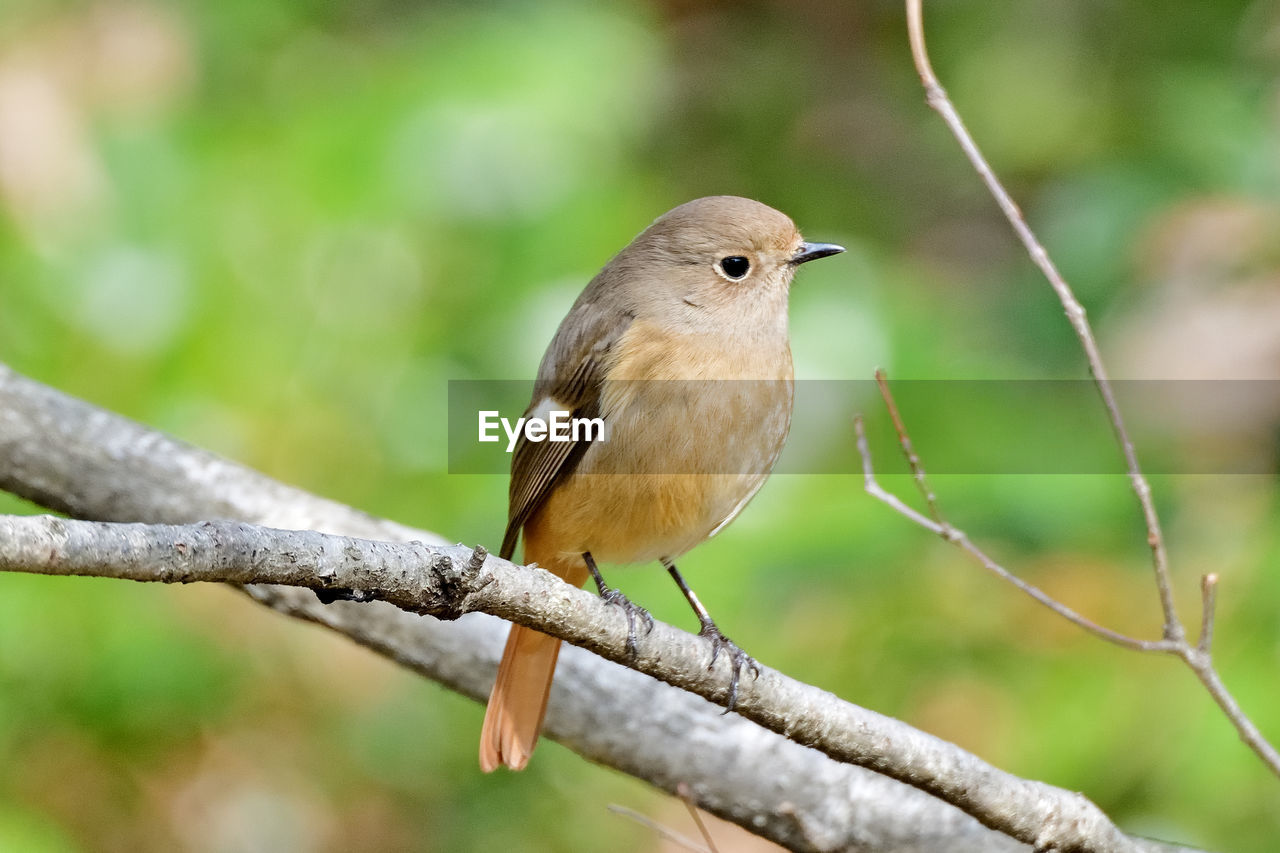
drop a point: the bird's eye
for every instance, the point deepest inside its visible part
(735, 267)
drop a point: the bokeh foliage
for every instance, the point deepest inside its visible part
(277, 229)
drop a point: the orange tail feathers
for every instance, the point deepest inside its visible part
(518, 702)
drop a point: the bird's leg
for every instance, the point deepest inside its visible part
(616, 598)
(738, 659)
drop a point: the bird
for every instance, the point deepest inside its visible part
(680, 345)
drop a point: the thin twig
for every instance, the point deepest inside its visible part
(937, 98)
(657, 828)
(957, 537)
(1196, 657)
(1202, 666)
(874, 489)
(908, 449)
(686, 797)
(1208, 600)
(1174, 641)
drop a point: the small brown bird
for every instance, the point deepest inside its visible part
(680, 345)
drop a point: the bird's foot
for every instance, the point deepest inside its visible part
(738, 660)
(617, 599)
(635, 614)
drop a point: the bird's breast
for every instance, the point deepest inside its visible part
(693, 428)
(695, 404)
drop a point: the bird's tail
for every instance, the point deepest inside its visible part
(518, 702)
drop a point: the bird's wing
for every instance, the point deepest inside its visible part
(569, 379)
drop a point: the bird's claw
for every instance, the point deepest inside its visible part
(738, 660)
(634, 612)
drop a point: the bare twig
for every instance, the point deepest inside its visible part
(957, 537)
(874, 488)
(686, 797)
(658, 829)
(1208, 600)
(908, 450)
(937, 98)
(1197, 657)
(1174, 640)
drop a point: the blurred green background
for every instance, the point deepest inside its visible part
(277, 229)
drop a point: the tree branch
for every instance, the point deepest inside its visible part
(98, 465)
(1174, 640)
(447, 581)
(937, 98)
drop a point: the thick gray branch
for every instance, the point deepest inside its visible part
(66, 454)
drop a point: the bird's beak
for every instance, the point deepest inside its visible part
(813, 251)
